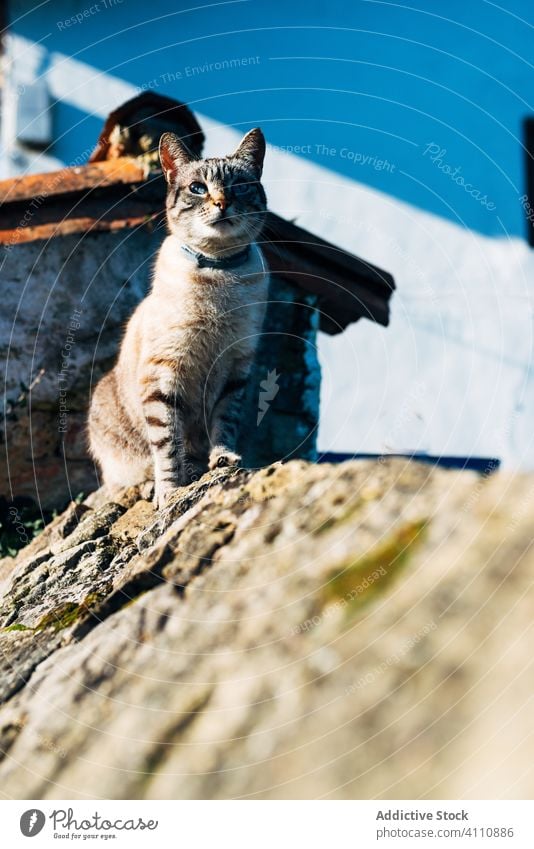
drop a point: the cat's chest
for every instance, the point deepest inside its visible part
(217, 310)
(206, 308)
(212, 325)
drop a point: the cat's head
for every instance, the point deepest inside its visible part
(214, 205)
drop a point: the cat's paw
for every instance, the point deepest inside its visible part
(221, 457)
(162, 494)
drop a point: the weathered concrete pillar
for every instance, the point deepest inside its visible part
(65, 302)
(281, 413)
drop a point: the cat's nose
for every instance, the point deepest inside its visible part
(220, 201)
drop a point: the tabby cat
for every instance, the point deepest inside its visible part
(171, 406)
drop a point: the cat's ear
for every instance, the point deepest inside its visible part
(173, 153)
(252, 149)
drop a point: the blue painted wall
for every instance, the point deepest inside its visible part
(361, 87)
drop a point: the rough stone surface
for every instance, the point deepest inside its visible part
(352, 631)
(65, 302)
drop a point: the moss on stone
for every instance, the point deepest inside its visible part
(356, 582)
(67, 614)
(60, 618)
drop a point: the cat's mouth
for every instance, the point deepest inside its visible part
(225, 219)
(222, 223)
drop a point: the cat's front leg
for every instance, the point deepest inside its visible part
(226, 419)
(165, 435)
(166, 480)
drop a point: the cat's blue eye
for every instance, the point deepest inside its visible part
(242, 188)
(198, 188)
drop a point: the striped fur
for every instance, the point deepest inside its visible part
(171, 406)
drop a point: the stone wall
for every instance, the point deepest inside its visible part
(65, 302)
(352, 631)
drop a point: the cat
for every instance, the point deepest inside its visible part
(171, 407)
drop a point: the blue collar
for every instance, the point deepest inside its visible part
(203, 261)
